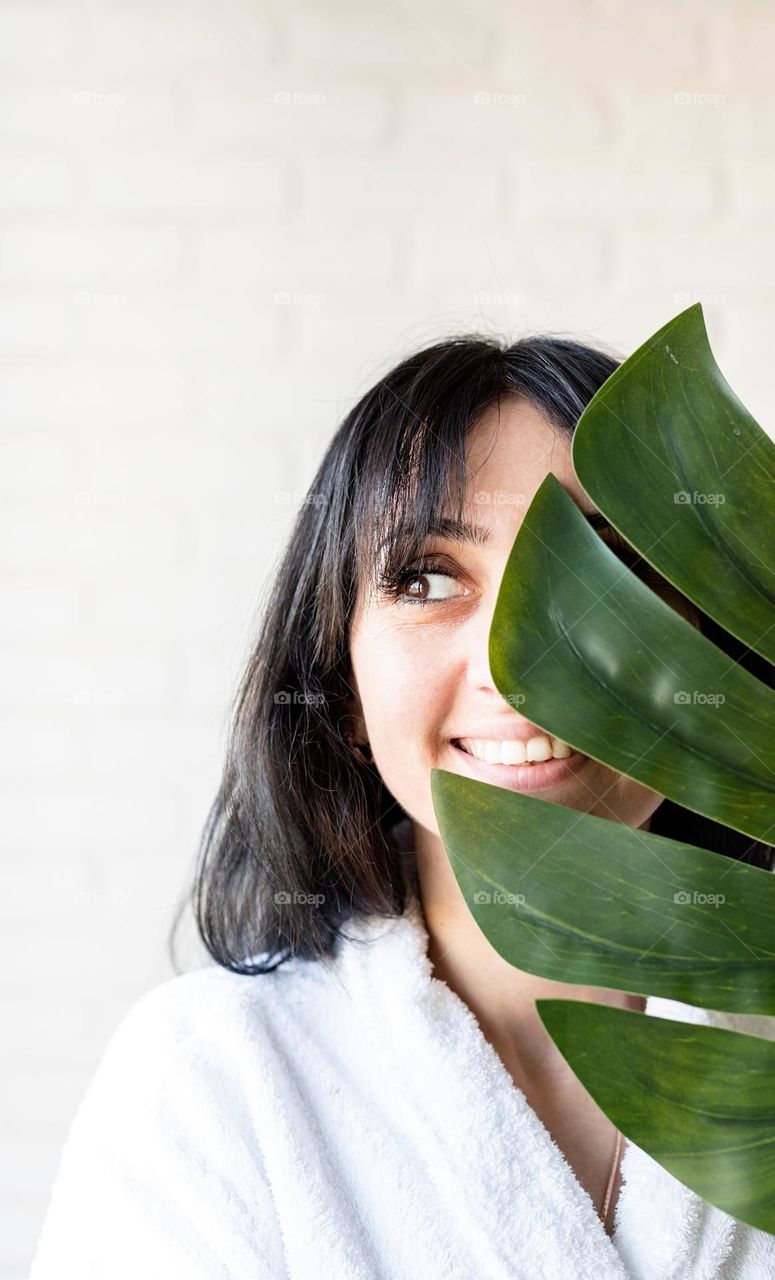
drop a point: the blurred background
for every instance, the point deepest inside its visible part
(220, 222)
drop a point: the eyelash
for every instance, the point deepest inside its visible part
(393, 590)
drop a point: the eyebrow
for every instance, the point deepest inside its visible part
(479, 535)
(460, 531)
(446, 527)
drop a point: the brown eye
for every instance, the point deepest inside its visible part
(429, 583)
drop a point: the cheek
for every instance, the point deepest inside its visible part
(405, 689)
(404, 686)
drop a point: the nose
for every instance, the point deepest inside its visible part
(478, 673)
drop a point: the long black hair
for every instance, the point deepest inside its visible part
(301, 835)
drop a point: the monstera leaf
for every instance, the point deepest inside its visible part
(597, 658)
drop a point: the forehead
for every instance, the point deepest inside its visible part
(510, 451)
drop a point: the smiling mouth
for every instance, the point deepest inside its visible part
(539, 749)
(531, 775)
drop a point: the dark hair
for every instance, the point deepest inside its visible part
(295, 814)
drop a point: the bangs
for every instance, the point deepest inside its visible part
(413, 496)
(413, 467)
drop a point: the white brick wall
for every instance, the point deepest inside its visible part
(218, 223)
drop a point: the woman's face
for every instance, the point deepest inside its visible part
(421, 674)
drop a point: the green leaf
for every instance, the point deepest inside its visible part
(698, 1099)
(651, 696)
(589, 653)
(606, 905)
(677, 464)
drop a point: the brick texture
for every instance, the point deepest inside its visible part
(218, 222)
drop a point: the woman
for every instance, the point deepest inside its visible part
(360, 1086)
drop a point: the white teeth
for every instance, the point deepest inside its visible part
(513, 752)
(539, 749)
(509, 751)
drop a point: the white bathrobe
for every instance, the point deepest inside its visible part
(349, 1122)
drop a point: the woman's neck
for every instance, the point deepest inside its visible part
(501, 997)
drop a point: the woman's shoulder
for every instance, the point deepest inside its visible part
(171, 1129)
(186, 999)
(209, 1008)
(168, 1136)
